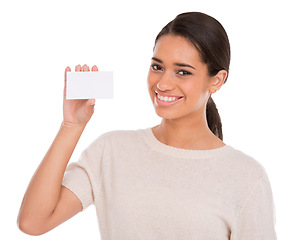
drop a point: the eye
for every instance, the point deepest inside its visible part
(183, 73)
(156, 67)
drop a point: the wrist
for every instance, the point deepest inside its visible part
(70, 133)
(75, 126)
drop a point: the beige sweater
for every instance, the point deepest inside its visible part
(146, 190)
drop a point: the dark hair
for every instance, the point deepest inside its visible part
(211, 40)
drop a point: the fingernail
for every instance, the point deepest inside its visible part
(94, 68)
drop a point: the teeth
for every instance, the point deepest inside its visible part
(166, 99)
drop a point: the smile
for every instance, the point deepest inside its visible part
(166, 100)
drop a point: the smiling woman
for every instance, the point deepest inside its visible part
(177, 180)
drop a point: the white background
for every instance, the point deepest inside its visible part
(39, 39)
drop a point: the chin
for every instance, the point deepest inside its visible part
(169, 115)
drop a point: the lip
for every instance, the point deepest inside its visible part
(165, 103)
(166, 95)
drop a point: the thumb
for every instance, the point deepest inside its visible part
(91, 102)
(90, 105)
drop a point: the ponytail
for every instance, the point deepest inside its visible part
(213, 118)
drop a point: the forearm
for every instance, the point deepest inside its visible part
(43, 192)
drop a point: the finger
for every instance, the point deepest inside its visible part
(66, 70)
(65, 76)
(94, 68)
(78, 68)
(85, 68)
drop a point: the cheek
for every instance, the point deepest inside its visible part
(151, 80)
(194, 90)
(190, 88)
(150, 83)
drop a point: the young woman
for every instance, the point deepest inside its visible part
(177, 180)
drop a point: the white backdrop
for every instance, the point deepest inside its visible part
(40, 38)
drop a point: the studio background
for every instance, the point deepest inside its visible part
(39, 39)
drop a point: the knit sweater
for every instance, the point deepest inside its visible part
(145, 190)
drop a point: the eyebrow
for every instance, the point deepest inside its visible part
(177, 64)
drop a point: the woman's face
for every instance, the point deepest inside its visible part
(178, 82)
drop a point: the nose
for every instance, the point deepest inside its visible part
(166, 83)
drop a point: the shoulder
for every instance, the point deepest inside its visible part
(117, 137)
(241, 174)
(116, 141)
(244, 166)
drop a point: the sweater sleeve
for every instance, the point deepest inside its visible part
(83, 177)
(256, 219)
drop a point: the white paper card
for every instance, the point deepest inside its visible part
(86, 85)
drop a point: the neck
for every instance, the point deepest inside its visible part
(187, 134)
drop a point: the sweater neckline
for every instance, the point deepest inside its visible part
(155, 144)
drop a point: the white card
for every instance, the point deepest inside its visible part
(86, 85)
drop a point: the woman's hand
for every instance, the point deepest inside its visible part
(79, 111)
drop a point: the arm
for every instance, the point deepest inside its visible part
(46, 204)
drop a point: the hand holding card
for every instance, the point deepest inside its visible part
(77, 112)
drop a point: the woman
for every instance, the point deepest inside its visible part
(177, 180)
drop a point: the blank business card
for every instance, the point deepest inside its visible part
(86, 85)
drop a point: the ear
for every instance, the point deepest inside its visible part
(217, 81)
